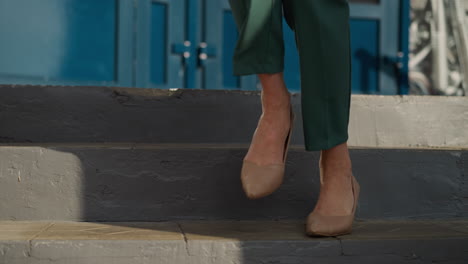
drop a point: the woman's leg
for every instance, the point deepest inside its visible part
(336, 197)
(260, 50)
(267, 144)
(323, 41)
(260, 47)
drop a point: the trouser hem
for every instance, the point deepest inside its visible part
(325, 146)
(256, 69)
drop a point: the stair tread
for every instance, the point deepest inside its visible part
(201, 145)
(227, 241)
(244, 230)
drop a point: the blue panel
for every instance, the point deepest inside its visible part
(64, 40)
(193, 36)
(158, 43)
(405, 16)
(292, 74)
(230, 35)
(365, 54)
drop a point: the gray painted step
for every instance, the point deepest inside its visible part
(110, 114)
(243, 242)
(152, 182)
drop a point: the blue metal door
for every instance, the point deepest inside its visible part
(175, 43)
(378, 48)
(379, 51)
(220, 34)
(72, 42)
(186, 44)
(161, 44)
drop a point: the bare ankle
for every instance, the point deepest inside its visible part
(276, 102)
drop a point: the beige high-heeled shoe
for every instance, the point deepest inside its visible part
(261, 180)
(333, 225)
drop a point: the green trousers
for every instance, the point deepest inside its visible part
(322, 38)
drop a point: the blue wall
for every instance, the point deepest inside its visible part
(58, 40)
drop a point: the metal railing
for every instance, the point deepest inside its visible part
(439, 47)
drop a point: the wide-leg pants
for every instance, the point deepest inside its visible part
(322, 38)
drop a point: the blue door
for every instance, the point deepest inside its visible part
(377, 53)
(378, 56)
(160, 46)
(209, 34)
(175, 43)
(186, 44)
(221, 34)
(72, 42)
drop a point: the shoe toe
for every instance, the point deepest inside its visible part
(261, 180)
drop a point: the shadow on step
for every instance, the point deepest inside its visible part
(124, 183)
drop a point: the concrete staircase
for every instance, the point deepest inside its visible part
(116, 175)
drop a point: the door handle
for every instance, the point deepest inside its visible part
(182, 49)
(397, 61)
(400, 65)
(205, 51)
